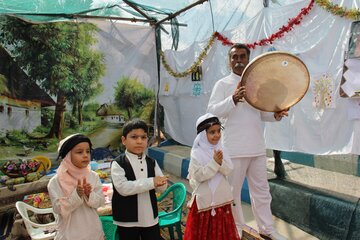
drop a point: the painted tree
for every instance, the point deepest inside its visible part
(131, 95)
(85, 86)
(55, 56)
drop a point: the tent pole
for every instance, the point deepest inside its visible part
(151, 20)
(266, 3)
(79, 16)
(139, 11)
(157, 102)
(180, 11)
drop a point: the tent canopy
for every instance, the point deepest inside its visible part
(196, 24)
(45, 11)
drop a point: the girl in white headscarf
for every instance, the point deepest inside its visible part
(210, 215)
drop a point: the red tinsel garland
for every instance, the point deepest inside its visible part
(284, 29)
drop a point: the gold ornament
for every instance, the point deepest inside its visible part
(353, 14)
(194, 66)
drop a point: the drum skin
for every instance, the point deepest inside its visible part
(275, 81)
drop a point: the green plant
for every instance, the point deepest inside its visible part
(47, 116)
(17, 137)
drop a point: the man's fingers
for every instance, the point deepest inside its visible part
(79, 182)
(239, 84)
(284, 113)
(84, 181)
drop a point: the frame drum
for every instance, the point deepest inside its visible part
(275, 81)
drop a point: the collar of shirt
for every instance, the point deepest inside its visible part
(133, 157)
(234, 77)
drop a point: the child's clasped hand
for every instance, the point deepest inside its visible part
(83, 189)
(218, 156)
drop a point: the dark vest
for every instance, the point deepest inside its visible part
(125, 208)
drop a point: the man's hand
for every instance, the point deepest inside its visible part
(239, 94)
(160, 180)
(218, 156)
(279, 115)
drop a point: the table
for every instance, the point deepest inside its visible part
(8, 198)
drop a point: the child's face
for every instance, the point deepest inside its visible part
(80, 155)
(135, 141)
(213, 134)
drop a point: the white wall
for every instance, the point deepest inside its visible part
(18, 119)
(114, 119)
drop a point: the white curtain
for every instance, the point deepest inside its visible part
(129, 51)
(320, 40)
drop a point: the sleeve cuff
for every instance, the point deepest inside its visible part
(75, 199)
(214, 165)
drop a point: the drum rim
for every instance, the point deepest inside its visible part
(243, 80)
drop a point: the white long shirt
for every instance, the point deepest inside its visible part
(243, 124)
(141, 186)
(78, 218)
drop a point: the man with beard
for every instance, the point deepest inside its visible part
(244, 139)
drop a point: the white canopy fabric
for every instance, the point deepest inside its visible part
(320, 40)
(129, 51)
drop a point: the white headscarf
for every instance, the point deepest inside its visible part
(203, 151)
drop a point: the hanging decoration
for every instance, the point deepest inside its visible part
(352, 14)
(226, 42)
(166, 89)
(194, 66)
(284, 29)
(197, 74)
(323, 90)
(197, 89)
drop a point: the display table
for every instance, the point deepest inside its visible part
(8, 198)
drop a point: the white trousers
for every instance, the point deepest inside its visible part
(254, 168)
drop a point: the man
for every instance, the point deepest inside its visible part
(244, 139)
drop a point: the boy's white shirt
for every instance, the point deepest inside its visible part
(78, 218)
(141, 186)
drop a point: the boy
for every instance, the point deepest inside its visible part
(135, 177)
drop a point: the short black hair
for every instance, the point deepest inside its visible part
(239, 46)
(134, 124)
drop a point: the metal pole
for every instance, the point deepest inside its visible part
(266, 3)
(151, 20)
(178, 12)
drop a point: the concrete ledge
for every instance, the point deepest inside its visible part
(174, 159)
(341, 163)
(321, 214)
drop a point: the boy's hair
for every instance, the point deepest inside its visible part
(134, 124)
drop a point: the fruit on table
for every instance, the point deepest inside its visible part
(31, 177)
(101, 174)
